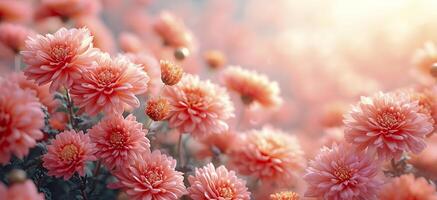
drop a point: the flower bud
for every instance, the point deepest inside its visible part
(214, 59)
(181, 53)
(17, 176)
(171, 73)
(158, 109)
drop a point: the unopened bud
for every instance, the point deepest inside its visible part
(181, 53)
(171, 73)
(17, 176)
(215, 59)
(158, 109)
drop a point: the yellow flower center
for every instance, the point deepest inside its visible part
(61, 52)
(154, 175)
(342, 173)
(69, 152)
(107, 75)
(226, 191)
(195, 97)
(389, 118)
(284, 196)
(118, 138)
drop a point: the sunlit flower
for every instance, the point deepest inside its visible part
(158, 109)
(42, 92)
(68, 153)
(198, 107)
(284, 196)
(111, 86)
(21, 191)
(171, 73)
(60, 58)
(252, 86)
(342, 173)
(151, 177)
(21, 119)
(389, 124)
(119, 140)
(268, 154)
(172, 30)
(407, 187)
(210, 183)
(13, 36)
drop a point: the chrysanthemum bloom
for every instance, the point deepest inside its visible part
(427, 100)
(13, 36)
(42, 92)
(152, 67)
(407, 187)
(268, 154)
(21, 191)
(388, 123)
(210, 183)
(110, 87)
(252, 86)
(425, 57)
(158, 109)
(284, 196)
(215, 59)
(21, 119)
(172, 31)
(119, 140)
(68, 153)
(198, 107)
(60, 58)
(341, 173)
(15, 11)
(171, 73)
(151, 177)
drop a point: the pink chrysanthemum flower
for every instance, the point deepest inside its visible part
(42, 92)
(389, 124)
(60, 58)
(68, 153)
(111, 86)
(119, 140)
(268, 154)
(172, 31)
(13, 36)
(21, 191)
(198, 107)
(407, 187)
(252, 86)
(210, 183)
(21, 119)
(341, 173)
(151, 177)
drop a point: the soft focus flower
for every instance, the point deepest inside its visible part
(213, 142)
(68, 153)
(130, 42)
(268, 154)
(42, 92)
(21, 191)
(21, 119)
(341, 173)
(13, 36)
(171, 73)
(103, 38)
(284, 196)
(60, 58)
(214, 58)
(111, 86)
(389, 124)
(198, 107)
(252, 86)
(15, 11)
(407, 187)
(68, 8)
(425, 57)
(172, 31)
(158, 109)
(427, 100)
(119, 140)
(151, 177)
(210, 183)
